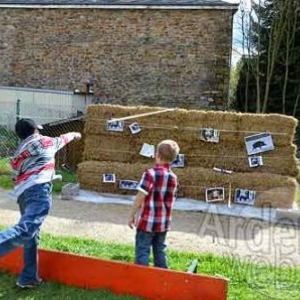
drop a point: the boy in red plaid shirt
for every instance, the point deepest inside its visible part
(156, 194)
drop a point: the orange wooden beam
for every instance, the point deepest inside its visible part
(120, 277)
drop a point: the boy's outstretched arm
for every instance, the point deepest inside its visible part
(139, 200)
(65, 139)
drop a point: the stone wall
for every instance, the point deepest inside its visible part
(167, 57)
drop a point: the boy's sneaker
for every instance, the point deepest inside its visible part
(31, 285)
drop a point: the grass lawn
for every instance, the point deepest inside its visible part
(247, 281)
(52, 291)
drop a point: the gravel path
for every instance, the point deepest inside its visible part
(250, 240)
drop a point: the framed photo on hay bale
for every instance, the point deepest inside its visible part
(179, 161)
(128, 185)
(210, 135)
(243, 196)
(148, 150)
(259, 143)
(134, 128)
(255, 161)
(115, 126)
(109, 178)
(215, 194)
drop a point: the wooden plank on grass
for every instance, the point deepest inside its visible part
(121, 277)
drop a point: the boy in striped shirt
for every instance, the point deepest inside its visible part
(156, 194)
(33, 168)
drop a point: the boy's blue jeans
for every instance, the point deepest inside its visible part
(34, 203)
(144, 241)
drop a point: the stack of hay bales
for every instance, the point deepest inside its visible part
(118, 152)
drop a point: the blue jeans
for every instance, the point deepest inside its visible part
(144, 241)
(34, 203)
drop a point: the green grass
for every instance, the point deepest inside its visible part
(4, 166)
(51, 290)
(248, 281)
(5, 178)
(66, 178)
(6, 182)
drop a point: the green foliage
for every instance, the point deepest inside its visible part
(4, 166)
(8, 142)
(275, 16)
(234, 79)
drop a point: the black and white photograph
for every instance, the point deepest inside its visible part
(134, 128)
(210, 135)
(215, 194)
(246, 197)
(128, 184)
(148, 150)
(109, 178)
(179, 161)
(115, 126)
(259, 143)
(255, 161)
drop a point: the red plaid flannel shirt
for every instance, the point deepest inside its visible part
(159, 184)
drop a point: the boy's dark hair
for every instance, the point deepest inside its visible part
(26, 127)
(168, 150)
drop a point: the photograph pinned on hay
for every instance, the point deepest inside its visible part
(148, 150)
(109, 178)
(179, 161)
(135, 128)
(210, 135)
(117, 126)
(259, 143)
(128, 185)
(255, 161)
(215, 194)
(243, 196)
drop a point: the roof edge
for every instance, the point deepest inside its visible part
(228, 6)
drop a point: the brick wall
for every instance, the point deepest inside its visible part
(166, 57)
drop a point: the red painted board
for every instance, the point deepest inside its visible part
(120, 277)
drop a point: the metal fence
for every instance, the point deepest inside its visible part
(56, 120)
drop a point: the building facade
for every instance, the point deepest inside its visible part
(167, 53)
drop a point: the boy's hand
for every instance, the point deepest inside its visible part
(77, 136)
(131, 222)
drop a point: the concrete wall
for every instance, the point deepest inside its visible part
(44, 106)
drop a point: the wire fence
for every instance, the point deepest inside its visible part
(55, 119)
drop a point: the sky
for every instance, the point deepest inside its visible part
(237, 47)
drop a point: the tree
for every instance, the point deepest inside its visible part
(272, 82)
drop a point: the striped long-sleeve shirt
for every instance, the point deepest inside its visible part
(33, 162)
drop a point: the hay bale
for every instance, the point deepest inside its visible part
(115, 147)
(281, 127)
(237, 124)
(272, 190)
(90, 175)
(118, 152)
